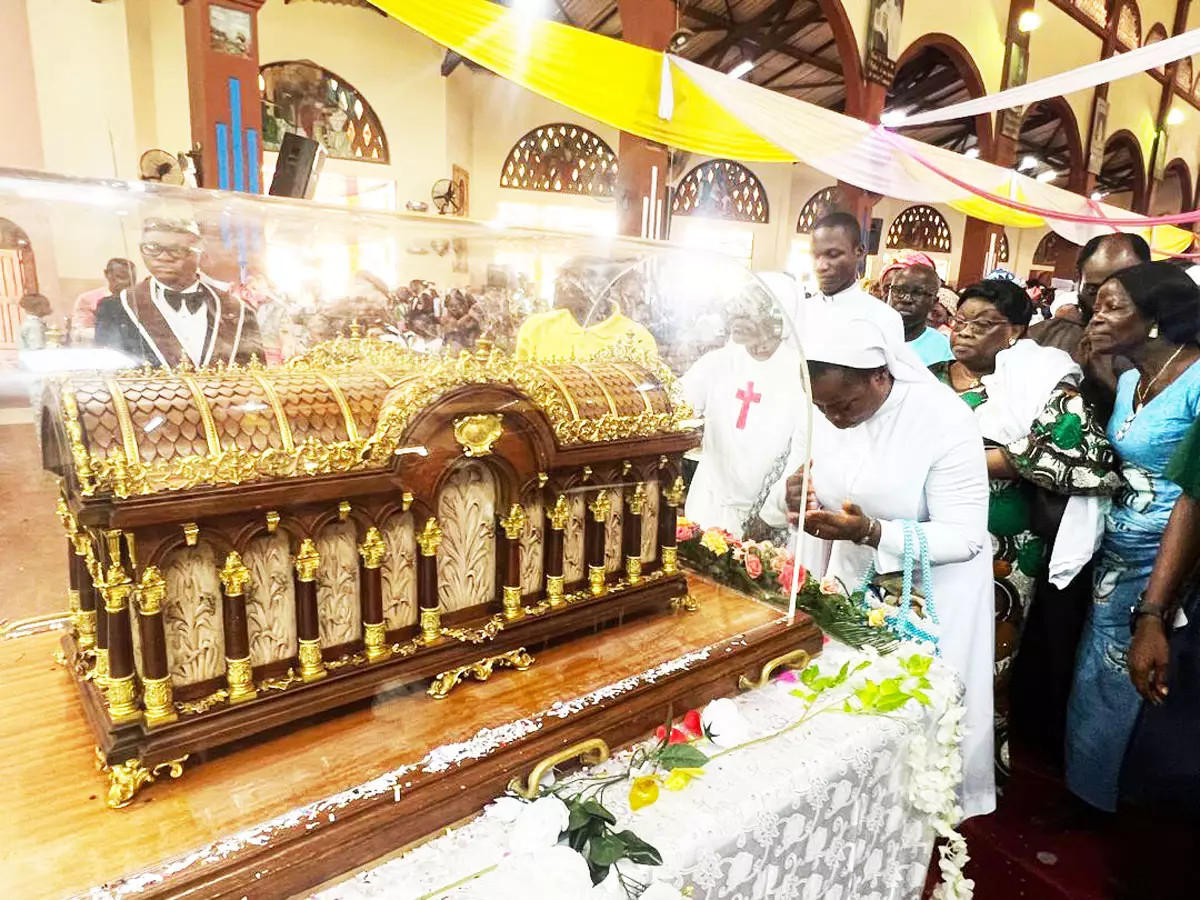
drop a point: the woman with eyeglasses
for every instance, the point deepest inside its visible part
(1048, 462)
(1150, 314)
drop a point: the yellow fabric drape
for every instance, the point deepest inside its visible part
(560, 63)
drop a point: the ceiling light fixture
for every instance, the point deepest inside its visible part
(742, 68)
(1097, 196)
(1028, 164)
(893, 117)
(1047, 176)
(971, 153)
(1175, 116)
(1028, 21)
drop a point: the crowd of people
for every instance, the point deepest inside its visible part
(1051, 460)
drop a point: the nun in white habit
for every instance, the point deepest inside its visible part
(893, 444)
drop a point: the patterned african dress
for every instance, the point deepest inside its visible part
(1104, 704)
(1065, 454)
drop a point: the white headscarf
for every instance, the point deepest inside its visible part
(840, 339)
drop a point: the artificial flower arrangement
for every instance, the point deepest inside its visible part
(759, 568)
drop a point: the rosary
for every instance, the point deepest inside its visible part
(904, 621)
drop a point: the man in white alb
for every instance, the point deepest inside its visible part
(838, 251)
(747, 392)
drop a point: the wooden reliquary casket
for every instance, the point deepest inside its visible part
(252, 546)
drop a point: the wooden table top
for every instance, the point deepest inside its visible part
(59, 838)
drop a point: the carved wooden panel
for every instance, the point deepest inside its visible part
(192, 615)
(531, 541)
(467, 556)
(613, 559)
(573, 539)
(270, 600)
(399, 574)
(650, 523)
(337, 585)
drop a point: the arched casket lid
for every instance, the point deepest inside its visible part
(343, 406)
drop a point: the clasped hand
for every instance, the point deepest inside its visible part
(850, 524)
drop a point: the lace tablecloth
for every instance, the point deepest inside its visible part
(831, 810)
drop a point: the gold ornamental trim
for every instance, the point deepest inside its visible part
(312, 664)
(373, 549)
(477, 434)
(281, 419)
(127, 778)
(375, 641)
(675, 492)
(430, 537)
(124, 420)
(308, 560)
(86, 625)
(445, 682)
(560, 513)
(158, 696)
(85, 474)
(601, 506)
(670, 560)
(235, 577)
(561, 388)
(240, 675)
(206, 416)
(597, 580)
(555, 585)
(100, 672)
(512, 603)
(347, 413)
(151, 591)
(515, 522)
(633, 569)
(122, 700)
(637, 500)
(431, 625)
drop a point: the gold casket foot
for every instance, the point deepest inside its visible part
(127, 778)
(444, 683)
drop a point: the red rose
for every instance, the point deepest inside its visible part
(677, 736)
(754, 566)
(691, 722)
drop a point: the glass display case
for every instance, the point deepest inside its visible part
(269, 458)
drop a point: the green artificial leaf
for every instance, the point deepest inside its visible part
(803, 695)
(579, 816)
(638, 851)
(605, 849)
(809, 675)
(868, 694)
(890, 686)
(847, 708)
(890, 702)
(865, 664)
(917, 665)
(842, 675)
(579, 838)
(594, 809)
(920, 696)
(598, 873)
(681, 756)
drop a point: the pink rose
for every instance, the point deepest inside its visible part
(754, 566)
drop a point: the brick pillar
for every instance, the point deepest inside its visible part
(222, 61)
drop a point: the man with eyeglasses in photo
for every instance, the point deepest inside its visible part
(177, 313)
(912, 291)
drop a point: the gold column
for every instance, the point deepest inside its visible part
(513, 526)
(312, 665)
(157, 692)
(597, 576)
(559, 515)
(635, 505)
(667, 520)
(373, 550)
(121, 688)
(235, 578)
(429, 540)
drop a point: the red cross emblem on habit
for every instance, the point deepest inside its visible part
(747, 397)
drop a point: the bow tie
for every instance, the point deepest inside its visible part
(176, 300)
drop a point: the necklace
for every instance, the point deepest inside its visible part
(974, 383)
(1141, 392)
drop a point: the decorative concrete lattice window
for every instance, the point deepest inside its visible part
(302, 98)
(1096, 10)
(1002, 250)
(919, 228)
(561, 159)
(1129, 27)
(819, 205)
(722, 189)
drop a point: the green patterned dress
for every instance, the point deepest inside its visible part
(1066, 453)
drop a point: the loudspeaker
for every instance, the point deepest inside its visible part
(297, 168)
(874, 236)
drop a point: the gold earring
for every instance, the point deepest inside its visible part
(1153, 331)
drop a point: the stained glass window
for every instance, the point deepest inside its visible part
(722, 189)
(302, 98)
(1096, 10)
(919, 228)
(1129, 27)
(820, 204)
(561, 159)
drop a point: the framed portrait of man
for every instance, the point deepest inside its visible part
(883, 40)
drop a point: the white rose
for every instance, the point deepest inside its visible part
(538, 825)
(506, 809)
(723, 723)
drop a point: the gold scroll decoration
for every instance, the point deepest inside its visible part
(445, 682)
(477, 434)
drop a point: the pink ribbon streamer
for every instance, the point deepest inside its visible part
(1183, 218)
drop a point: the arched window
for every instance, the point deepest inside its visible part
(919, 228)
(1156, 33)
(302, 98)
(819, 205)
(561, 159)
(722, 189)
(1002, 250)
(1129, 26)
(1183, 76)
(1049, 248)
(1096, 10)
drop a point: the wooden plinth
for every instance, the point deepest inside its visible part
(59, 838)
